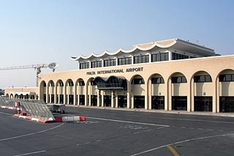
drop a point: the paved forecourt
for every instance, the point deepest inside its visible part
(114, 132)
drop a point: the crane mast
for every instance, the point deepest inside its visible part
(37, 67)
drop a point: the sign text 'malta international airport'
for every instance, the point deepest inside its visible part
(115, 71)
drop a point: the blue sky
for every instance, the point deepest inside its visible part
(44, 31)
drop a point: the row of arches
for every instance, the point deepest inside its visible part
(198, 92)
(22, 96)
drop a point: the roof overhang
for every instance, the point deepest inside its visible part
(165, 44)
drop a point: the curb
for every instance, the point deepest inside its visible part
(57, 119)
(7, 107)
(33, 119)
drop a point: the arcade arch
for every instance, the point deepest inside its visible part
(178, 90)
(69, 92)
(226, 94)
(157, 92)
(138, 91)
(60, 91)
(202, 91)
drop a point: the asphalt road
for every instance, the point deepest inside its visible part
(118, 133)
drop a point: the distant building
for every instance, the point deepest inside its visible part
(165, 75)
(1, 92)
(22, 92)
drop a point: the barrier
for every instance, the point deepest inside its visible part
(36, 111)
(70, 118)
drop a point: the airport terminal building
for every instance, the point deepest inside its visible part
(165, 75)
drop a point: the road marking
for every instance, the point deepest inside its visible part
(31, 153)
(173, 151)
(180, 142)
(196, 120)
(30, 134)
(131, 122)
(5, 113)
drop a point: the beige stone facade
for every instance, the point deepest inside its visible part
(22, 92)
(189, 77)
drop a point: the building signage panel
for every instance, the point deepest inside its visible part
(138, 69)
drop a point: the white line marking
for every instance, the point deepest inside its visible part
(5, 113)
(31, 153)
(131, 122)
(180, 142)
(29, 134)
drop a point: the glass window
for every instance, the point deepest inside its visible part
(208, 78)
(157, 80)
(70, 83)
(221, 78)
(124, 61)
(109, 62)
(81, 83)
(93, 83)
(138, 81)
(141, 59)
(84, 65)
(202, 78)
(179, 79)
(96, 64)
(159, 57)
(176, 56)
(226, 78)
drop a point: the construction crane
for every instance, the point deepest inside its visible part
(37, 67)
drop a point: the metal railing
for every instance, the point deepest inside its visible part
(33, 108)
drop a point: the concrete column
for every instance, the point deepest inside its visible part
(50, 99)
(74, 95)
(169, 95)
(192, 95)
(47, 94)
(102, 101)
(214, 105)
(116, 101)
(132, 101)
(86, 95)
(90, 93)
(55, 94)
(150, 94)
(189, 86)
(149, 57)
(98, 98)
(169, 55)
(129, 92)
(89, 99)
(112, 99)
(77, 94)
(58, 98)
(128, 100)
(64, 93)
(218, 94)
(146, 96)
